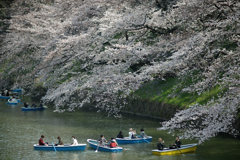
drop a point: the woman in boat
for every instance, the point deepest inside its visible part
(120, 135)
(60, 142)
(177, 144)
(143, 134)
(113, 143)
(41, 142)
(75, 142)
(160, 144)
(131, 133)
(102, 140)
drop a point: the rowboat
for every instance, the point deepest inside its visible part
(126, 140)
(184, 149)
(12, 102)
(33, 109)
(17, 90)
(19, 100)
(79, 147)
(5, 97)
(94, 145)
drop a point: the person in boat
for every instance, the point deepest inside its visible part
(143, 134)
(160, 144)
(7, 94)
(41, 142)
(102, 140)
(75, 142)
(120, 135)
(2, 93)
(177, 144)
(131, 133)
(34, 105)
(26, 105)
(41, 104)
(60, 142)
(16, 96)
(113, 143)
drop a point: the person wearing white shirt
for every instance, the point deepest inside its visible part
(131, 133)
(75, 142)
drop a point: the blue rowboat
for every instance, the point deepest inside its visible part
(33, 109)
(5, 97)
(94, 145)
(19, 100)
(126, 140)
(12, 102)
(17, 90)
(79, 147)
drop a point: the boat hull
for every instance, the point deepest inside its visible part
(17, 90)
(12, 102)
(15, 103)
(184, 149)
(94, 144)
(79, 147)
(33, 109)
(126, 140)
(5, 97)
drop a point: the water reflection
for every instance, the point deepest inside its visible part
(113, 156)
(20, 130)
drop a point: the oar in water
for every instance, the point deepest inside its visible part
(143, 138)
(54, 147)
(180, 151)
(97, 147)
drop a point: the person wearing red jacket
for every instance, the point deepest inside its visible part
(113, 143)
(41, 142)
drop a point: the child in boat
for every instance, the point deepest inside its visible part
(160, 144)
(131, 133)
(75, 142)
(113, 143)
(41, 142)
(102, 140)
(120, 135)
(60, 142)
(143, 134)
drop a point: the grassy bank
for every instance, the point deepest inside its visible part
(170, 92)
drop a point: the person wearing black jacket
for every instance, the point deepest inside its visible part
(120, 135)
(177, 144)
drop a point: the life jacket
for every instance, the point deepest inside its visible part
(113, 145)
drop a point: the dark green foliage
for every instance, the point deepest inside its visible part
(118, 35)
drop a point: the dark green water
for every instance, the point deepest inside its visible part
(20, 130)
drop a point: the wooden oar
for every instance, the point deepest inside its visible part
(180, 151)
(54, 147)
(143, 138)
(97, 147)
